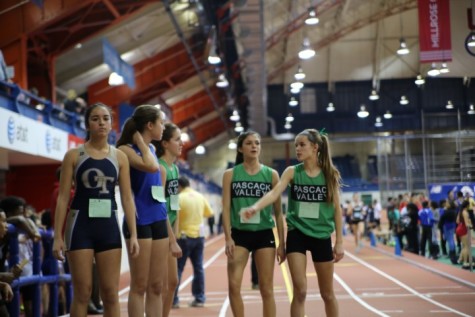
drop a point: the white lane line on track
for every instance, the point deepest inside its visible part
(125, 290)
(357, 298)
(406, 287)
(224, 308)
(400, 258)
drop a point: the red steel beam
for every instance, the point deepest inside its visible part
(204, 132)
(198, 105)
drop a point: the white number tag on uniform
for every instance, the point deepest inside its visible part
(174, 205)
(256, 219)
(158, 193)
(309, 210)
(100, 208)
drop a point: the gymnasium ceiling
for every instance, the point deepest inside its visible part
(166, 41)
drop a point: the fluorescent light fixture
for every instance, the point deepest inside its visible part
(294, 90)
(403, 50)
(306, 52)
(330, 107)
(115, 79)
(449, 105)
(433, 71)
(312, 17)
(404, 101)
(293, 102)
(235, 116)
(222, 82)
(299, 75)
(363, 113)
(214, 59)
(379, 122)
(419, 80)
(289, 118)
(200, 150)
(387, 115)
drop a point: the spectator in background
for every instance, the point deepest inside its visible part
(194, 207)
(377, 213)
(435, 238)
(443, 242)
(426, 218)
(464, 219)
(412, 228)
(356, 213)
(394, 218)
(448, 225)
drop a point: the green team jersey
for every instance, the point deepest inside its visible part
(171, 190)
(308, 210)
(245, 191)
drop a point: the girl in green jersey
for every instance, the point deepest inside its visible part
(243, 185)
(313, 214)
(168, 150)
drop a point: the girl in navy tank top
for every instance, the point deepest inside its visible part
(148, 272)
(92, 230)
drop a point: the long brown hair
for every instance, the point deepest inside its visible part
(137, 122)
(324, 160)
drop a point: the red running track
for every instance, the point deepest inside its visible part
(373, 282)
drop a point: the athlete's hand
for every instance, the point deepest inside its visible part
(137, 138)
(338, 252)
(134, 247)
(249, 212)
(281, 253)
(6, 291)
(230, 248)
(175, 249)
(58, 249)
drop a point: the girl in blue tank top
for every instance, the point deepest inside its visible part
(92, 230)
(154, 233)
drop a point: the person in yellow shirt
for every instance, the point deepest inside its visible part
(193, 209)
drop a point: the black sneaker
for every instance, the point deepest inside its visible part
(196, 303)
(176, 305)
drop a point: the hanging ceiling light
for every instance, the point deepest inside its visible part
(404, 101)
(444, 69)
(232, 145)
(287, 126)
(471, 40)
(222, 82)
(200, 150)
(294, 91)
(471, 109)
(312, 17)
(235, 116)
(374, 95)
(433, 71)
(238, 128)
(330, 107)
(419, 80)
(449, 105)
(363, 113)
(379, 122)
(293, 102)
(403, 50)
(289, 118)
(296, 85)
(214, 59)
(185, 137)
(115, 79)
(299, 75)
(387, 115)
(306, 52)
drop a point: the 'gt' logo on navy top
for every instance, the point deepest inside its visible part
(97, 176)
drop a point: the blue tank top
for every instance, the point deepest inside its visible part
(149, 210)
(95, 179)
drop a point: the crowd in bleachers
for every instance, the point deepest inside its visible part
(432, 229)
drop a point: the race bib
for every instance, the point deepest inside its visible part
(174, 205)
(256, 219)
(309, 210)
(158, 193)
(100, 208)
